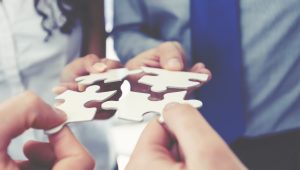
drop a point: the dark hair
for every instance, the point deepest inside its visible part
(69, 8)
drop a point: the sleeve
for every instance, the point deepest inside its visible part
(129, 33)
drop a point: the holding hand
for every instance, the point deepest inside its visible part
(185, 141)
(169, 55)
(29, 111)
(83, 66)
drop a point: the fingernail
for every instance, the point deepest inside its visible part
(170, 106)
(100, 67)
(60, 114)
(81, 87)
(174, 63)
(58, 89)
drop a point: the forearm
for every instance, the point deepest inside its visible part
(129, 43)
(94, 34)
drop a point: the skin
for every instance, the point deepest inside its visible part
(184, 141)
(59, 154)
(90, 63)
(93, 23)
(195, 145)
(169, 55)
(63, 151)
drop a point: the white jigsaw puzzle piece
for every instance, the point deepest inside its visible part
(109, 76)
(74, 103)
(134, 105)
(164, 79)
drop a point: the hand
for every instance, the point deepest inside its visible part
(169, 55)
(82, 66)
(29, 111)
(185, 141)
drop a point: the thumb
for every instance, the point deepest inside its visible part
(171, 56)
(201, 146)
(151, 151)
(23, 112)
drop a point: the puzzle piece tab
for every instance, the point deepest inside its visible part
(74, 103)
(109, 76)
(134, 105)
(164, 79)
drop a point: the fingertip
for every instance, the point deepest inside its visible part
(171, 106)
(100, 67)
(50, 120)
(81, 87)
(60, 114)
(173, 64)
(176, 107)
(58, 89)
(111, 64)
(175, 111)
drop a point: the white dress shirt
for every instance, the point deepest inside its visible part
(28, 62)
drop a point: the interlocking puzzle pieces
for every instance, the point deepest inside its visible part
(164, 79)
(134, 105)
(74, 104)
(109, 76)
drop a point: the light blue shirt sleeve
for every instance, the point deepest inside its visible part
(129, 35)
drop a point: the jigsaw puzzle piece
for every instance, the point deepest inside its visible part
(74, 104)
(109, 76)
(164, 79)
(132, 106)
(135, 105)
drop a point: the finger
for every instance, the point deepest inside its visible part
(103, 65)
(64, 87)
(27, 165)
(92, 64)
(39, 153)
(153, 147)
(26, 111)
(69, 152)
(171, 56)
(200, 68)
(139, 60)
(152, 63)
(79, 67)
(111, 64)
(200, 144)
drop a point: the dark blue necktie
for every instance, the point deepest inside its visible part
(216, 41)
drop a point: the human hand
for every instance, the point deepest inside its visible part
(169, 55)
(63, 151)
(82, 66)
(185, 141)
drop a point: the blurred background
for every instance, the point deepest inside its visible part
(124, 137)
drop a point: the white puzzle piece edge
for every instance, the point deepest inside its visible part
(74, 103)
(134, 105)
(164, 79)
(109, 76)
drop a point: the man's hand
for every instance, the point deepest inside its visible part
(169, 55)
(28, 111)
(185, 141)
(83, 66)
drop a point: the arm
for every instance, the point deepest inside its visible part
(129, 36)
(94, 34)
